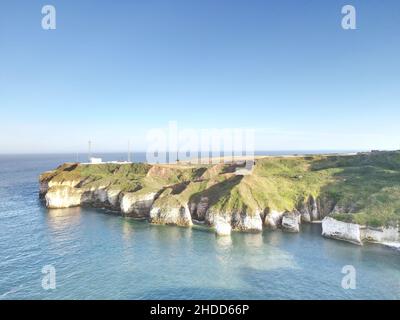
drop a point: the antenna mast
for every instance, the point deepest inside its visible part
(89, 149)
(129, 151)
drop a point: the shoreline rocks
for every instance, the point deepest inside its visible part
(137, 205)
(273, 219)
(291, 222)
(380, 235)
(178, 215)
(332, 228)
(222, 228)
(357, 234)
(62, 197)
(247, 222)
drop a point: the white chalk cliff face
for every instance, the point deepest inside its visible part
(60, 194)
(291, 222)
(179, 215)
(273, 219)
(150, 205)
(389, 234)
(358, 234)
(137, 204)
(222, 228)
(63, 197)
(335, 229)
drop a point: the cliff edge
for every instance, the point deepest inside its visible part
(279, 192)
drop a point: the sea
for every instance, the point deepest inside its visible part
(83, 253)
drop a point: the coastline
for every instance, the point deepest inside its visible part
(224, 197)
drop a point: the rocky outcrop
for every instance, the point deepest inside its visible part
(273, 219)
(43, 188)
(177, 215)
(199, 210)
(137, 204)
(222, 228)
(358, 234)
(101, 197)
(239, 221)
(339, 230)
(309, 210)
(380, 235)
(305, 216)
(247, 222)
(291, 222)
(63, 196)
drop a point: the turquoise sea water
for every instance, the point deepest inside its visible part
(99, 255)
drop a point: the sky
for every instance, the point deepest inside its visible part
(113, 70)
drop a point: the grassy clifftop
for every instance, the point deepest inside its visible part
(363, 188)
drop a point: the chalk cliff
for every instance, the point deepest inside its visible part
(335, 229)
(358, 234)
(169, 194)
(279, 192)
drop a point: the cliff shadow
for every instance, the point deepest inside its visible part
(200, 202)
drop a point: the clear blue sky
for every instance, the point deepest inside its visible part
(114, 69)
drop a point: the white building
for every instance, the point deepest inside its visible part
(95, 160)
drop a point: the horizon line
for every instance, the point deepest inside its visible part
(294, 151)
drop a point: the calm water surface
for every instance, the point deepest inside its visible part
(98, 255)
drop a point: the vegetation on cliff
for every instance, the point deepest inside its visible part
(362, 188)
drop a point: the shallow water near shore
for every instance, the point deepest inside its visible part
(100, 255)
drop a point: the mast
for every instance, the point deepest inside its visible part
(89, 150)
(129, 151)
